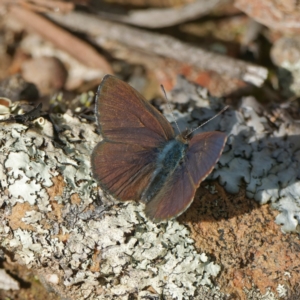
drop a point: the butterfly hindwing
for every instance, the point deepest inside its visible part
(179, 190)
(124, 170)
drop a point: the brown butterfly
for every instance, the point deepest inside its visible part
(141, 159)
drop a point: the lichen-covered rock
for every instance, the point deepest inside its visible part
(53, 219)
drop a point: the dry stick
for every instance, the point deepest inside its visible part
(102, 32)
(162, 17)
(45, 5)
(80, 50)
(271, 14)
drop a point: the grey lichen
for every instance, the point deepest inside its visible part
(255, 294)
(263, 156)
(115, 248)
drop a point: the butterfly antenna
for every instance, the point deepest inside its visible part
(169, 106)
(220, 112)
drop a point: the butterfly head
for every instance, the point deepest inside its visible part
(185, 136)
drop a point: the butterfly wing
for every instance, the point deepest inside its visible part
(132, 129)
(179, 190)
(124, 115)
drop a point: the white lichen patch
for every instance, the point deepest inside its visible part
(114, 249)
(137, 253)
(255, 294)
(282, 291)
(7, 282)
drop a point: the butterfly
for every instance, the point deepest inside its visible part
(140, 158)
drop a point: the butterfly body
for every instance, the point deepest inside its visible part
(141, 159)
(168, 159)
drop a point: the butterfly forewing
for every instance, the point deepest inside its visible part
(178, 192)
(125, 116)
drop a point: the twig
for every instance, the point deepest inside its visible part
(104, 32)
(163, 17)
(43, 5)
(61, 38)
(46, 5)
(272, 14)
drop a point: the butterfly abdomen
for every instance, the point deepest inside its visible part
(170, 156)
